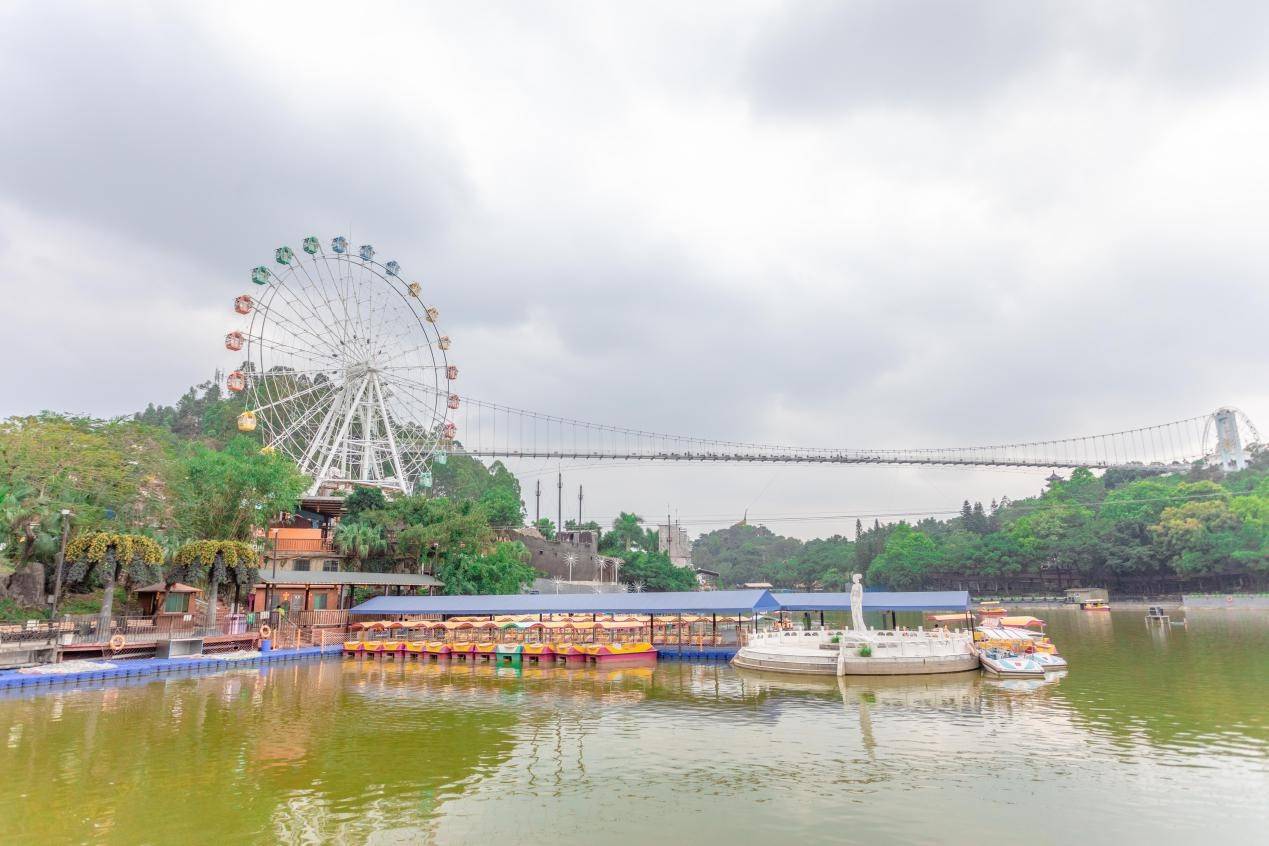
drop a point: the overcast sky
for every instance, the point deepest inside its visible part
(856, 224)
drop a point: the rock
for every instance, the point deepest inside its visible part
(26, 586)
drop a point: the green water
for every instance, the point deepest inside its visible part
(1151, 737)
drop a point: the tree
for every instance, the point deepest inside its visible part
(503, 570)
(363, 498)
(503, 507)
(112, 559)
(442, 530)
(463, 477)
(656, 573)
(217, 563)
(908, 556)
(627, 534)
(742, 553)
(1198, 537)
(110, 473)
(359, 541)
(546, 526)
(229, 493)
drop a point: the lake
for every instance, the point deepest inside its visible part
(1156, 736)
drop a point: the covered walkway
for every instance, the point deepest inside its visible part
(708, 602)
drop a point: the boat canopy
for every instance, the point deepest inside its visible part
(1022, 622)
(709, 602)
(876, 600)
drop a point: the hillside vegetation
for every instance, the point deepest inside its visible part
(1129, 529)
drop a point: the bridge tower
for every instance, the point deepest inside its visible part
(1229, 443)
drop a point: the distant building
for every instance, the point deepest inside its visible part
(674, 542)
(707, 579)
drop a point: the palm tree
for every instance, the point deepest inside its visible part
(627, 531)
(359, 541)
(221, 562)
(118, 559)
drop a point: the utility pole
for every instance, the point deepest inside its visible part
(559, 502)
(579, 506)
(537, 508)
(61, 561)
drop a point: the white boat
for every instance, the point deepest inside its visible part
(1006, 664)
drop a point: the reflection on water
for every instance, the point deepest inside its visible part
(1160, 732)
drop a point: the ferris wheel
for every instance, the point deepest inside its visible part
(346, 370)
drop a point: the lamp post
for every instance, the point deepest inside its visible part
(570, 559)
(61, 560)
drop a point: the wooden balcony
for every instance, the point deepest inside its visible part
(319, 546)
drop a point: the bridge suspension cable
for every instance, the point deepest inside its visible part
(492, 430)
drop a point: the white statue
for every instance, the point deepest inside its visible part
(857, 604)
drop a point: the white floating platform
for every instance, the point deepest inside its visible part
(894, 653)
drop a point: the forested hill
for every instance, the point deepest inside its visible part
(1130, 529)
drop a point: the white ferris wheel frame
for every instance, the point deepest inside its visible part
(372, 405)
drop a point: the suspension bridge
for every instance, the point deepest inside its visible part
(348, 373)
(485, 429)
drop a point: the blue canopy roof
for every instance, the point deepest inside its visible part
(877, 600)
(713, 601)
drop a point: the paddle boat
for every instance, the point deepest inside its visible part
(438, 649)
(508, 653)
(616, 639)
(1006, 664)
(1013, 638)
(598, 653)
(991, 608)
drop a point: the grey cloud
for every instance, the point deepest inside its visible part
(910, 332)
(828, 56)
(144, 125)
(820, 56)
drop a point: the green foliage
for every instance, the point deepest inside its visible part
(464, 478)
(502, 506)
(502, 570)
(908, 555)
(109, 473)
(418, 532)
(98, 558)
(363, 499)
(627, 535)
(744, 553)
(202, 413)
(359, 540)
(655, 572)
(222, 562)
(546, 527)
(229, 493)
(865, 651)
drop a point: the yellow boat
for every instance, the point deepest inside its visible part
(600, 652)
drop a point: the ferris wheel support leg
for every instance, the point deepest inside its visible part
(343, 432)
(312, 452)
(397, 467)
